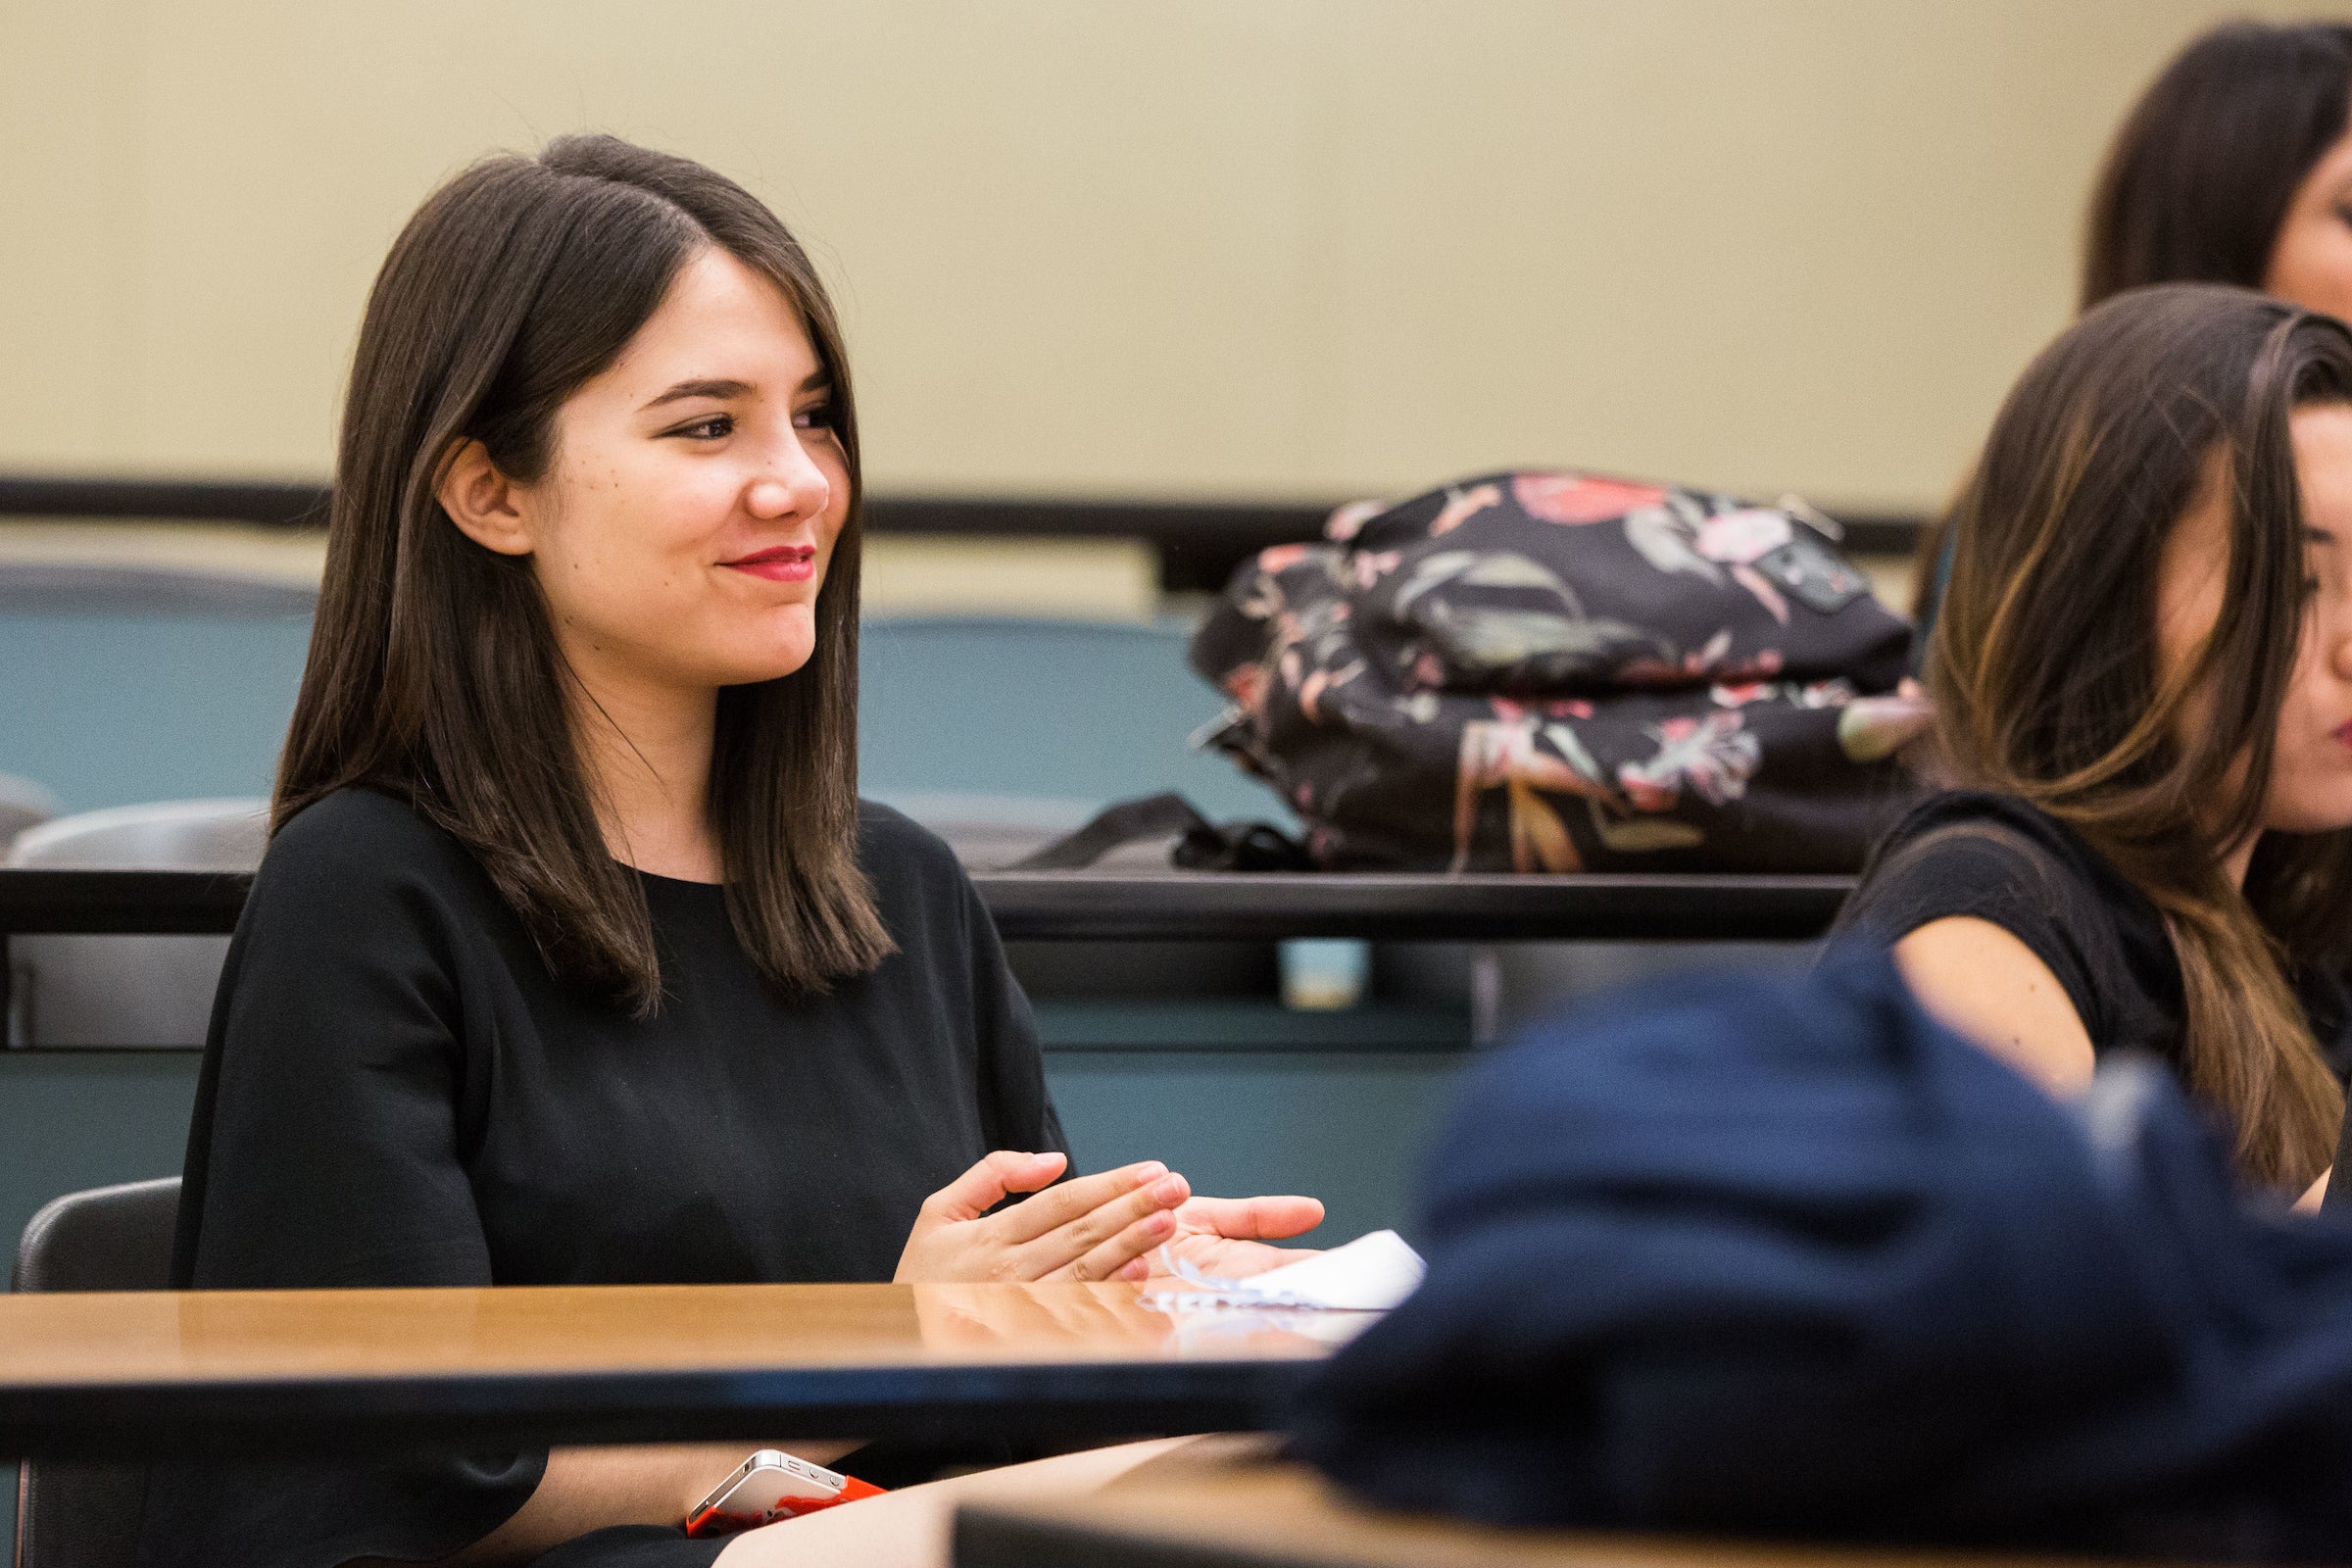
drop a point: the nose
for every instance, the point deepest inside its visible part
(791, 485)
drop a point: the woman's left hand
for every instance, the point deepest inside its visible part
(1226, 1236)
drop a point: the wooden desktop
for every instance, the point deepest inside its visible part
(289, 1372)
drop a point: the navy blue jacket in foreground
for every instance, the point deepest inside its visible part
(1790, 1257)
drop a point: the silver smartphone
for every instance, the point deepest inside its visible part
(770, 1485)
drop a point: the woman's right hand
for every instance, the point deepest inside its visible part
(1093, 1228)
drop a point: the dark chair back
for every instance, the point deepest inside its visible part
(78, 1515)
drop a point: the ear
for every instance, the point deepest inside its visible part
(486, 506)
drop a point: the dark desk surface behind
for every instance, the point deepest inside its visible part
(1221, 1503)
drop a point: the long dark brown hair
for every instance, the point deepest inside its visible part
(433, 671)
(2199, 179)
(2048, 685)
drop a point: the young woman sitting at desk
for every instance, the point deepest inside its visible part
(575, 959)
(2143, 675)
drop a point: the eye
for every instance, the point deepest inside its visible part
(717, 427)
(815, 417)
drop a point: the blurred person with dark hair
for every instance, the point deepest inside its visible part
(2234, 166)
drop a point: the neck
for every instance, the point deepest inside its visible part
(2238, 859)
(646, 749)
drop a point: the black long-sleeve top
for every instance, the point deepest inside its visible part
(396, 1092)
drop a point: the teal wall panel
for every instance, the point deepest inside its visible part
(88, 1118)
(1064, 709)
(110, 708)
(1342, 1126)
(1348, 1128)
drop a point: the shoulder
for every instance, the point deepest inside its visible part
(1964, 863)
(926, 898)
(358, 849)
(361, 911)
(353, 825)
(1998, 924)
(359, 832)
(894, 847)
(1981, 817)
(1987, 982)
(1969, 854)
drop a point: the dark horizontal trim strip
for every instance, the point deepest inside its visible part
(1883, 533)
(1174, 907)
(276, 504)
(1077, 906)
(121, 903)
(942, 1403)
(1160, 1027)
(1274, 522)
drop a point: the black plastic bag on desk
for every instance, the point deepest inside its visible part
(1542, 671)
(1787, 1257)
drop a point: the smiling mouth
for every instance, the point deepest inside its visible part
(783, 563)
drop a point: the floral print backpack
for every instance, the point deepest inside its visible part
(1556, 672)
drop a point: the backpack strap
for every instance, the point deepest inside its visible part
(1200, 845)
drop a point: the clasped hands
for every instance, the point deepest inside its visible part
(1109, 1226)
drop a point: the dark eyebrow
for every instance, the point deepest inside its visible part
(700, 389)
(819, 379)
(2318, 536)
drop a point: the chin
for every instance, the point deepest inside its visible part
(769, 663)
(768, 651)
(2320, 814)
(755, 675)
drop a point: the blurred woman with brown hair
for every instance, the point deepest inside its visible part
(2143, 686)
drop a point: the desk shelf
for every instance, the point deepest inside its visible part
(1164, 906)
(1243, 1023)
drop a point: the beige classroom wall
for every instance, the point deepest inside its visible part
(1216, 248)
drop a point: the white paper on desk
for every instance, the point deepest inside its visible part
(1370, 1274)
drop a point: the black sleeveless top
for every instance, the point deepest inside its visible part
(2000, 860)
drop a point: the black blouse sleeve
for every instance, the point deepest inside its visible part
(324, 1153)
(1988, 870)
(1016, 1109)
(335, 1054)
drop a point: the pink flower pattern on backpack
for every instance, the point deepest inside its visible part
(1579, 498)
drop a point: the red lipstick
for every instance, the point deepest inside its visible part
(782, 564)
